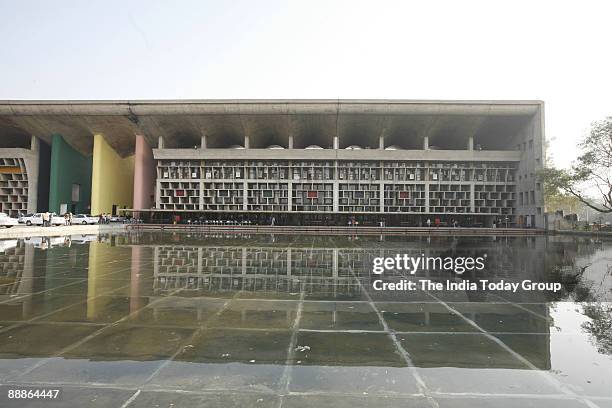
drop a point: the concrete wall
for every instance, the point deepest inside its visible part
(68, 167)
(112, 178)
(532, 159)
(30, 161)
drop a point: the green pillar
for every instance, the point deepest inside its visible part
(68, 168)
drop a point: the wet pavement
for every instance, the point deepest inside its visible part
(170, 320)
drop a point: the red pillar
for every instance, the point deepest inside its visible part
(144, 175)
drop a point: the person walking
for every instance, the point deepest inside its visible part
(66, 219)
(46, 219)
(428, 222)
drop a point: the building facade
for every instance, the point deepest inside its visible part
(473, 163)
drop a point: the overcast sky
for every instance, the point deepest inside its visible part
(555, 51)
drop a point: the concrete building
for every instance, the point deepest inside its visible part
(300, 161)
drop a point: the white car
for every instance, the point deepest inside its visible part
(36, 219)
(7, 244)
(84, 219)
(7, 222)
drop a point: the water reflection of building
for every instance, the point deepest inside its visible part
(269, 274)
(329, 271)
(16, 268)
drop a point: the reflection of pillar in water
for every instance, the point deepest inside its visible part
(335, 263)
(135, 271)
(288, 261)
(243, 261)
(102, 259)
(27, 283)
(200, 261)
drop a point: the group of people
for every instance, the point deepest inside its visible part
(68, 218)
(46, 219)
(104, 218)
(454, 223)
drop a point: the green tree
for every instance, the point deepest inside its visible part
(590, 174)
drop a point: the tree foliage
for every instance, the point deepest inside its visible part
(590, 177)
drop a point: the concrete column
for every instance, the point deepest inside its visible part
(245, 192)
(426, 197)
(247, 141)
(34, 144)
(426, 143)
(336, 196)
(336, 143)
(144, 175)
(160, 142)
(472, 198)
(381, 141)
(204, 141)
(290, 146)
(200, 260)
(382, 197)
(69, 167)
(470, 145)
(290, 193)
(112, 178)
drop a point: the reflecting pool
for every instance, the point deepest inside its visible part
(180, 319)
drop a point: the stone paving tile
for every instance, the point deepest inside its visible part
(34, 306)
(260, 315)
(339, 316)
(326, 401)
(486, 381)
(422, 317)
(24, 346)
(457, 350)
(102, 309)
(507, 402)
(347, 349)
(149, 399)
(353, 380)
(119, 355)
(215, 376)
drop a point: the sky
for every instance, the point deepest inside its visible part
(555, 51)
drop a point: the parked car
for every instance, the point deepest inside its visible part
(36, 219)
(47, 242)
(83, 238)
(7, 222)
(6, 244)
(117, 218)
(84, 219)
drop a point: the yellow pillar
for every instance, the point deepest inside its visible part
(112, 178)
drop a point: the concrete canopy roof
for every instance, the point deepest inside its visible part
(267, 122)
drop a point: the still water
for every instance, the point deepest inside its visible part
(169, 320)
